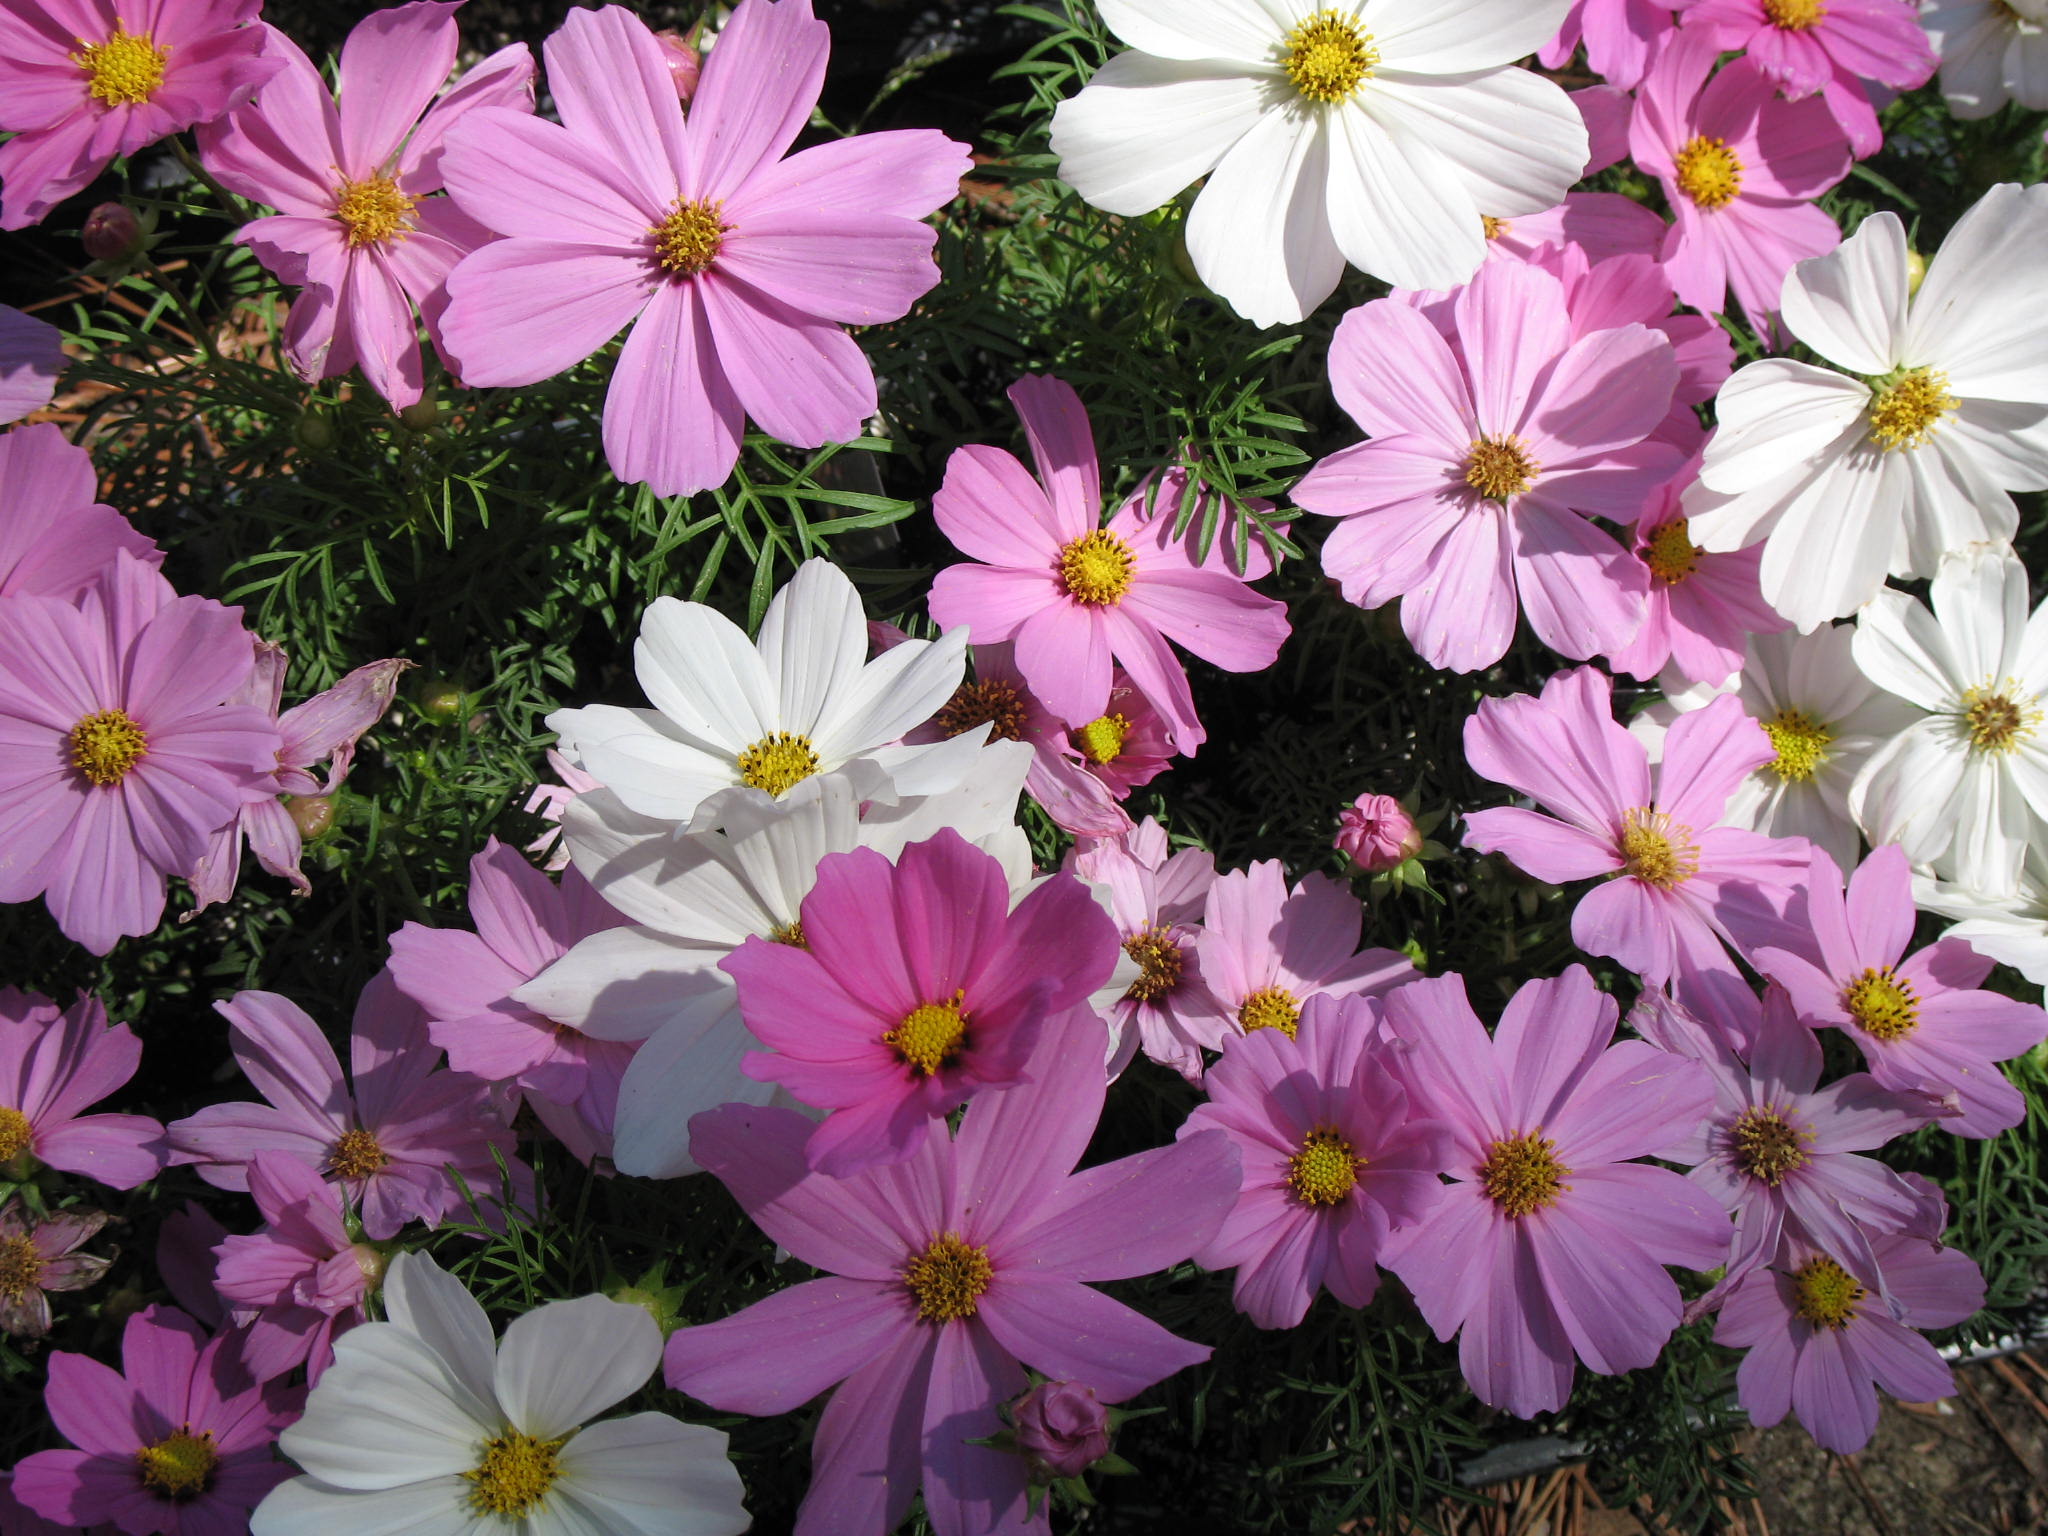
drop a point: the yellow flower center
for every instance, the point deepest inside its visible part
(1802, 744)
(930, 1035)
(1522, 1174)
(1883, 1004)
(791, 934)
(180, 1466)
(374, 211)
(1997, 721)
(1159, 960)
(992, 702)
(1329, 56)
(1794, 15)
(947, 1279)
(690, 238)
(356, 1155)
(1671, 554)
(515, 1474)
(126, 69)
(1325, 1170)
(1096, 569)
(15, 1134)
(21, 1265)
(106, 745)
(1500, 467)
(1270, 1008)
(1709, 172)
(777, 761)
(1101, 740)
(1828, 1293)
(1906, 411)
(1495, 228)
(1656, 851)
(1767, 1145)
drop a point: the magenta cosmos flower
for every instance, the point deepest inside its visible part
(739, 270)
(85, 81)
(31, 358)
(464, 983)
(952, 1273)
(389, 1143)
(120, 753)
(1073, 594)
(358, 227)
(1333, 1161)
(1551, 1243)
(1266, 950)
(179, 1441)
(55, 536)
(1678, 882)
(39, 1257)
(1920, 1020)
(1621, 37)
(1829, 47)
(1485, 449)
(53, 1065)
(1820, 1345)
(909, 987)
(1740, 169)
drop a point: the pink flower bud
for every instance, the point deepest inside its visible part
(1061, 1429)
(111, 233)
(683, 62)
(1378, 833)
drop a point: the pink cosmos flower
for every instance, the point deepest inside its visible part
(1376, 833)
(1680, 883)
(1074, 595)
(1622, 37)
(1820, 1347)
(388, 1143)
(358, 227)
(179, 1441)
(31, 358)
(54, 1064)
(1702, 607)
(1267, 950)
(1826, 46)
(1921, 1022)
(1602, 224)
(1333, 1160)
(120, 751)
(1782, 1157)
(1468, 496)
(1156, 901)
(464, 982)
(550, 802)
(1606, 110)
(39, 1257)
(1551, 1242)
(911, 987)
(303, 1278)
(83, 82)
(323, 729)
(1740, 169)
(1062, 1428)
(950, 1274)
(55, 537)
(185, 1261)
(738, 269)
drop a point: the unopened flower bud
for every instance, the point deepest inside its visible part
(683, 62)
(314, 430)
(1377, 833)
(313, 815)
(111, 233)
(1062, 1429)
(372, 1261)
(1916, 270)
(422, 415)
(440, 700)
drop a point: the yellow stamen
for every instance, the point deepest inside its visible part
(1522, 1174)
(1329, 56)
(947, 1279)
(1828, 1293)
(1101, 740)
(930, 1035)
(791, 934)
(21, 1265)
(1709, 172)
(1794, 15)
(15, 1134)
(356, 1155)
(1997, 721)
(178, 1467)
(1802, 744)
(1671, 554)
(374, 211)
(1159, 959)
(777, 761)
(1907, 410)
(1656, 851)
(515, 1474)
(1325, 1170)
(1500, 467)
(1270, 1008)
(105, 746)
(126, 69)
(992, 702)
(1767, 1145)
(1495, 228)
(1096, 569)
(690, 238)
(1883, 1004)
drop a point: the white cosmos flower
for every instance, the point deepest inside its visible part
(738, 722)
(1825, 718)
(1371, 131)
(1909, 452)
(2010, 928)
(1965, 787)
(427, 1426)
(1992, 52)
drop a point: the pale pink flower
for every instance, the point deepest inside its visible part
(39, 1257)
(1622, 37)
(1602, 224)
(31, 358)
(550, 802)
(357, 225)
(56, 537)
(54, 1064)
(737, 269)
